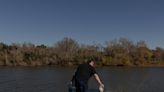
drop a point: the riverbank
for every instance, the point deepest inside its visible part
(71, 65)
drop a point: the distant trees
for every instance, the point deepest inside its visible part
(118, 52)
(142, 54)
(125, 52)
(68, 52)
(158, 55)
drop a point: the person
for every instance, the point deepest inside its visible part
(83, 73)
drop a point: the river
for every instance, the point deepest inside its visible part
(50, 79)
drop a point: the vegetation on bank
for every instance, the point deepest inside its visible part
(68, 52)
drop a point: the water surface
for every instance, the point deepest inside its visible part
(116, 79)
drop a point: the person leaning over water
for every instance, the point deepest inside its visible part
(83, 74)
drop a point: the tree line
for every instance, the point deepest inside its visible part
(68, 52)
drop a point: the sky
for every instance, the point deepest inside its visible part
(86, 21)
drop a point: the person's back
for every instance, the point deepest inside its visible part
(84, 72)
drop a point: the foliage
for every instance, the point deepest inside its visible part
(68, 52)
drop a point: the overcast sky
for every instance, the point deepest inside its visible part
(86, 21)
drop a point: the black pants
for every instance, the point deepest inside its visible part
(81, 86)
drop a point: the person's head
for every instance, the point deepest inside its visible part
(91, 62)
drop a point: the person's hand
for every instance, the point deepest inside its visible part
(102, 85)
(101, 88)
(70, 82)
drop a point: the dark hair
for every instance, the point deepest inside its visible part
(90, 60)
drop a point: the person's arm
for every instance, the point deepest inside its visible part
(98, 80)
(73, 78)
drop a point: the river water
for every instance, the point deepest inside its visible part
(49, 79)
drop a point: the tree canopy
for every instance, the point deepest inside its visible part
(68, 52)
